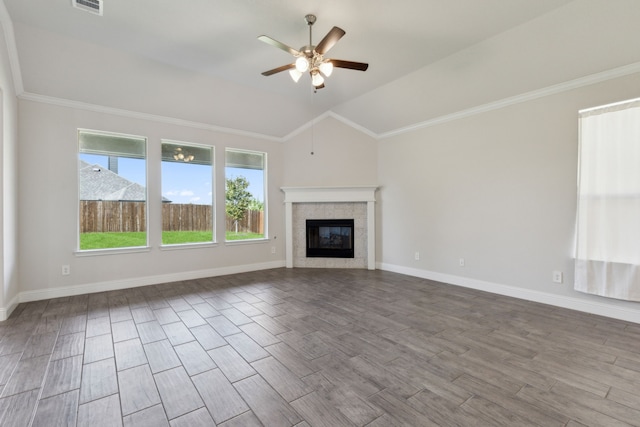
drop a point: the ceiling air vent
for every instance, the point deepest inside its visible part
(91, 6)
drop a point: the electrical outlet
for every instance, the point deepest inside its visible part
(66, 270)
(461, 262)
(273, 249)
(417, 256)
(557, 276)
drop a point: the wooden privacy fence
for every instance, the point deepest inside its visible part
(177, 217)
(98, 216)
(253, 222)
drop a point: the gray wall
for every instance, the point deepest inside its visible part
(48, 205)
(498, 189)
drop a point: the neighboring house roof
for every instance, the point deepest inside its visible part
(99, 183)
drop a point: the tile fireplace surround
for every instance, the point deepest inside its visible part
(302, 203)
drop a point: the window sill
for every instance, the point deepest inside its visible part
(246, 242)
(113, 251)
(182, 246)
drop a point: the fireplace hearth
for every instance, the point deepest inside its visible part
(330, 238)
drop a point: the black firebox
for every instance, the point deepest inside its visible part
(330, 238)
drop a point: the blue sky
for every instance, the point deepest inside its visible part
(181, 182)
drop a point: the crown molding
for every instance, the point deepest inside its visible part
(8, 30)
(306, 126)
(61, 102)
(333, 115)
(495, 105)
(517, 99)
(12, 50)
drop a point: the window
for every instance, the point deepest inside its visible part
(608, 217)
(113, 194)
(187, 196)
(245, 194)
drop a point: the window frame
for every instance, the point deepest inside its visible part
(114, 250)
(265, 204)
(214, 239)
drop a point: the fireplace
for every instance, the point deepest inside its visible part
(330, 238)
(303, 203)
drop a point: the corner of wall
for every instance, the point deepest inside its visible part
(6, 311)
(10, 85)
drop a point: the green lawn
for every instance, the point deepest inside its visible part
(179, 237)
(231, 235)
(112, 240)
(124, 240)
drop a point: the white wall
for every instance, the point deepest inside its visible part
(48, 206)
(67, 68)
(581, 38)
(8, 177)
(499, 190)
(342, 156)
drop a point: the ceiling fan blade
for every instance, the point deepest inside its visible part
(279, 69)
(279, 45)
(329, 40)
(360, 66)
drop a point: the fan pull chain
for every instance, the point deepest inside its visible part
(313, 122)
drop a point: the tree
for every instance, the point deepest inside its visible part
(256, 205)
(238, 198)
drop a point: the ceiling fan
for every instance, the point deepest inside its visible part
(311, 58)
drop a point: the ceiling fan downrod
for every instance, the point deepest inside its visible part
(311, 19)
(308, 50)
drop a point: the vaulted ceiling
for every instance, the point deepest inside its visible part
(200, 60)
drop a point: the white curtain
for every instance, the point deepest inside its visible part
(608, 217)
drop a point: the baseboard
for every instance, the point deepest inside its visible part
(592, 307)
(5, 312)
(113, 285)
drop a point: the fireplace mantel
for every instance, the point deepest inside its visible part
(329, 194)
(353, 194)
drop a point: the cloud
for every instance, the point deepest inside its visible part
(171, 193)
(194, 199)
(187, 193)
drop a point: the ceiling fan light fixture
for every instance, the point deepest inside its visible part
(316, 79)
(295, 74)
(302, 64)
(311, 58)
(326, 68)
(180, 155)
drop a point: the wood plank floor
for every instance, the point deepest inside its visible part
(305, 347)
